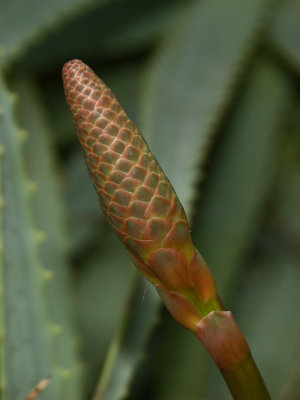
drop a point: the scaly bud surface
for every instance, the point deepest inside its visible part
(137, 198)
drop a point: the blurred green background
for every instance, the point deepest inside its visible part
(214, 87)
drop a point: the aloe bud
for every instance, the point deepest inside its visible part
(137, 198)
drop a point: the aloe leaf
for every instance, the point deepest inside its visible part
(48, 215)
(290, 390)
(229, 211)
(23, 23)
(121, 28)
(284, 32)
(105, 280)
(241, 174)
(173, 381)
(288, 185)
(191, 82)
(284, 223)
(126, 349)
(27, 338)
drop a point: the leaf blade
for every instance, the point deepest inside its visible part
(48, 216)
(34, 18)
(191, 83)
(284, 33)
(28, 335)
(242, 174)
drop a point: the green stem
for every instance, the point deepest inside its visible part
(223, 339)
(245, 381)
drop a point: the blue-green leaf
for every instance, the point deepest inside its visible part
(27, 332)
(103, 287)
(129, 343)
(191, 82)
(285, 31)
(241, 174)
(24, 22)
(119, 28)
(48, 215)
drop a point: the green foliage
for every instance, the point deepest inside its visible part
(126, 348)
(232, 201)
(212, 86)
(50, 225)
(192, 81)
(27, 331)
(23, 23)
(284, 33)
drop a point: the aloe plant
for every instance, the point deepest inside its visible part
(143, 208)
(213, 87)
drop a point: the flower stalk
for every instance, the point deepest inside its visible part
(143, 208)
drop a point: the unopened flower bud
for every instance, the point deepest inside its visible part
(137, 197)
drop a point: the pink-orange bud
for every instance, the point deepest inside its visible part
(137, 197)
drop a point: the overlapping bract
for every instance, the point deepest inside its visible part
(137, 197)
